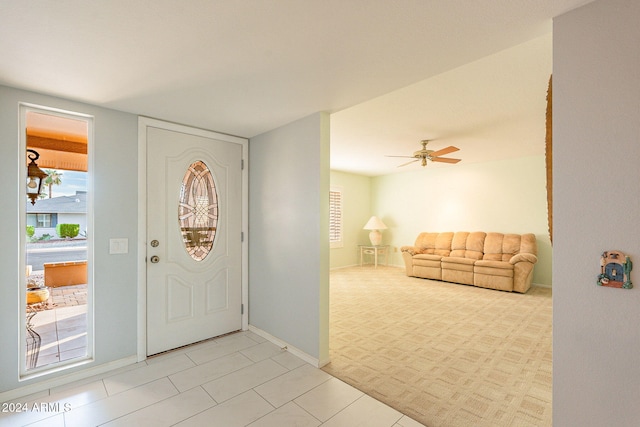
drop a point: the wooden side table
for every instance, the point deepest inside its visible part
(376, 251)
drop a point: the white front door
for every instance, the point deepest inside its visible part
(194, 227)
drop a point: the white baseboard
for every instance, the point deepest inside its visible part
(366, 265)
(344, 266)
(541, 285)
(26, 390)
(290, 348)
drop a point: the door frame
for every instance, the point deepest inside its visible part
(143, 124)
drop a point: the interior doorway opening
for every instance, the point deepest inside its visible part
(56, 245)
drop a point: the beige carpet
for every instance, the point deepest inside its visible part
(444, 354)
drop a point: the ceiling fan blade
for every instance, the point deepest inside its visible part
(444, 160)
(447, 150)
(407, 157)
(408, 163)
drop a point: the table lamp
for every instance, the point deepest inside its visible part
(375, 224)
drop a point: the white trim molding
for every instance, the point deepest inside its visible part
(26, 390)
(291, 349)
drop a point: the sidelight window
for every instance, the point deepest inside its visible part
(55, 268)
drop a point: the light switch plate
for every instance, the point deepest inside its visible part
(118, 246)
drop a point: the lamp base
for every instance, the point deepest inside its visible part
(375, 237)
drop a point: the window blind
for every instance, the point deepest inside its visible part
(335, 216)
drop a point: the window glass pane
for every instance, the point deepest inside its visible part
(31, 220)
(57, 274)
(198, 210)
(44, 220)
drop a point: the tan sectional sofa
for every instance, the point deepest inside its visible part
(489, 260)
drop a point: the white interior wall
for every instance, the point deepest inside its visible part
(289, 234)
(290, 262)
(596, 91)
(114, 174)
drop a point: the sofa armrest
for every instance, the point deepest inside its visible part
(410, 249)
(523, 271)
(523, 258)
(407, 257)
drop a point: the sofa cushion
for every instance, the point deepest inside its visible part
(426, 243)
(443, 244)
(493, 268)
(434, 243)
(506, 265)
(529, 244)
(493, 282)
(475, 245)
(428, 272)
(457, 263)
(468, 245)
(426, 260)
(457, 276)
(459, 244)
(427, 256)
(492, 272)
(458, 260)
(510, 246)
(493, 246)
(501, 247)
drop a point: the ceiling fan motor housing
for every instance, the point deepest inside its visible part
(422, 153)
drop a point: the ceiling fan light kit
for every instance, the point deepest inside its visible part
(433, 156)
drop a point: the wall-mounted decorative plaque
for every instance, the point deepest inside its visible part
(615, 270)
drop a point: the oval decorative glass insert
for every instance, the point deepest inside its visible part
(198, 210)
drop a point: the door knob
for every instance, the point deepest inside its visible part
(155, 259)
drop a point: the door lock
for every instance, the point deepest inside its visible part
(154, 243)
(155, 259)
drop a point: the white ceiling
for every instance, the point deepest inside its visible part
(492, 108)
(393, 72)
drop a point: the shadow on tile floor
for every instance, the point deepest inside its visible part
(61, 323)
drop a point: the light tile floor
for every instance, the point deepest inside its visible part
(63, 333)
(235, 380)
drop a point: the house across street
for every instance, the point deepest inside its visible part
(47, 213)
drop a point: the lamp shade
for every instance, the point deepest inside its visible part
(375, 223)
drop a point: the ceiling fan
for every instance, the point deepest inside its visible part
(431, 155)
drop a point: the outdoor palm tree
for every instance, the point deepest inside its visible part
(53, 178)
